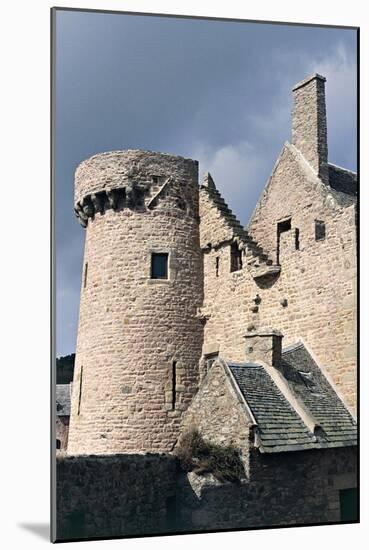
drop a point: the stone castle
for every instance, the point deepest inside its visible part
(190, 321)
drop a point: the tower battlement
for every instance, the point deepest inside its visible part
(129, 179)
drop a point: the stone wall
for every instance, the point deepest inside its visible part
(218, 414)
(297, 488)
(106, 496)
(139, 339)
(315, 297)
(228, 296)
(131, 495)
(312, 299)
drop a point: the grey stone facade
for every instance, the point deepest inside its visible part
(127, 495)
(201, 347)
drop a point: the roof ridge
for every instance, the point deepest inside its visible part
(313, 177)
(280, 424)
(243, 364)
(342, 168)
(293, 347)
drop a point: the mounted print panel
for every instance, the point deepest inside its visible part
(206, 269)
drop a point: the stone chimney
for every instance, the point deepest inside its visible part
(264, 346)
(309, 123)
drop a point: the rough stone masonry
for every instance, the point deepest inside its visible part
(182, 317)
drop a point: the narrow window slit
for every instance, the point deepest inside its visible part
(85, 276)
(297, 239)
(80, 390)
(217, 266)
(174, 383)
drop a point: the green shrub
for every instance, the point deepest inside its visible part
(203, 457)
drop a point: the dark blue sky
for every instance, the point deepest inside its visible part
(215, 91)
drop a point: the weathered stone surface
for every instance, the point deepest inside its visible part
(131, 327)
(144, 365)
(312, 297)
(117, 495)
(309, 123)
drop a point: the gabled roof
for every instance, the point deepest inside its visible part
(313, 389)
(63, 400)
(343, 183)
(258, 261)
(279, 426)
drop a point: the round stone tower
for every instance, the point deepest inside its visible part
(139, 340)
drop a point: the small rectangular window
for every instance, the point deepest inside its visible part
(217, 266)
(319, 230)
(236, 257)
(159, 266)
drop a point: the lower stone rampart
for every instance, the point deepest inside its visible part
(133, 495)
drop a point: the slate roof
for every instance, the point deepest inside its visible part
(63, 400)
(343, 184)
(313, 389)
(280, 428)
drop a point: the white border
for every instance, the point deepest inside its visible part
(25, 265)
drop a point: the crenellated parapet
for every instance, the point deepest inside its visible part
(132, 179)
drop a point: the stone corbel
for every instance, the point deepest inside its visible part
(203, 314)
(98, 202)
(88, 207)
(112, 198)
(82, 217)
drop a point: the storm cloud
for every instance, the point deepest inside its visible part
(216, 91)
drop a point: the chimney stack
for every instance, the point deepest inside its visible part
(264, 346)
(309, 123)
